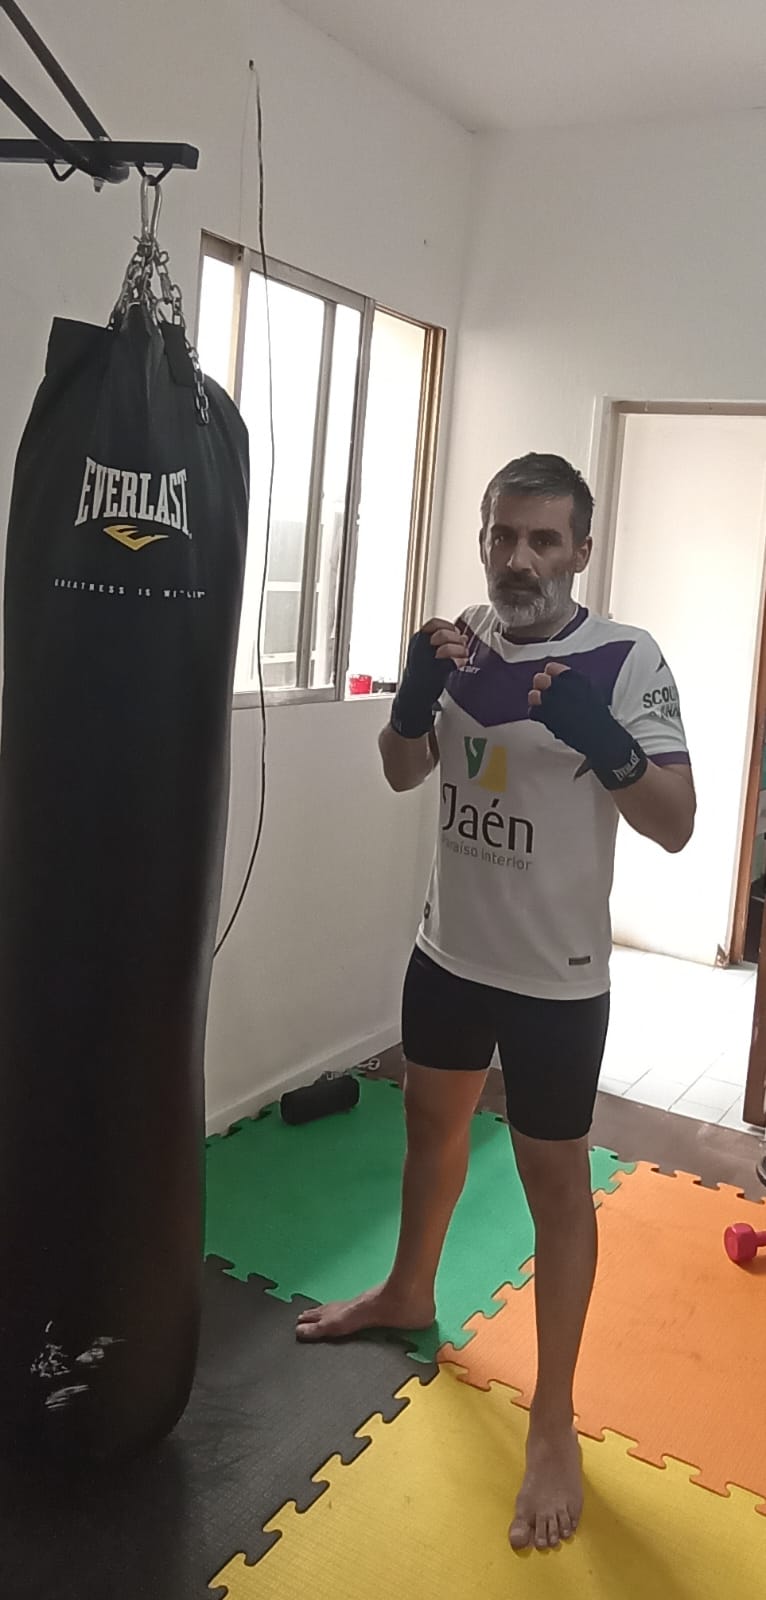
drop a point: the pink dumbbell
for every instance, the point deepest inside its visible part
(742, 1243)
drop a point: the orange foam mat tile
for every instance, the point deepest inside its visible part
(423, 1514)
(674, 1354)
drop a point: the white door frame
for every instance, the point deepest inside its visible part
(605, 470)
(604, 473)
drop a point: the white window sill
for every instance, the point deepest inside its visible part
(249, 699)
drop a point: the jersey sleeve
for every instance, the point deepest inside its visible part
(646, 702)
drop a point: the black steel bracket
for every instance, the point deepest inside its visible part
(103, 159)
(109, 160)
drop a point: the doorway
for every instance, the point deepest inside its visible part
(681, 550)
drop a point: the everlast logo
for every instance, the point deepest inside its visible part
(621, 773)
(663, 701)
(501, 840)
(127, 497)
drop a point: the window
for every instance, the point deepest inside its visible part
(355, 394)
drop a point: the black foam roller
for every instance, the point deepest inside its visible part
(321, 1099)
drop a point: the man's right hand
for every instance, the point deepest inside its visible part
(437, 650)
(448, 640)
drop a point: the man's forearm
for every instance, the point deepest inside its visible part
(661, 806)
(407, 762)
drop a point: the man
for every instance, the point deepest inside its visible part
(551, 724)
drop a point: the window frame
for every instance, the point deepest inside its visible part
(245, 261)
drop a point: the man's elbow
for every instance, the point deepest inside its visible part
(678, 837)
(403, 779)
(397, 781)
(404, 768)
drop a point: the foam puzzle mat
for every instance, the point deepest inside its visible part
(671, 1402)
(675, 1349)
(423, 1514)
(334, 1230)
(351, 1471)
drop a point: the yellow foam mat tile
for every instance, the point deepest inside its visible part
(423, 1514)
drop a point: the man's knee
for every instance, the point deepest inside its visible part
(555, 1173)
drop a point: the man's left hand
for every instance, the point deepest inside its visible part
(571, 708)
(543, 681)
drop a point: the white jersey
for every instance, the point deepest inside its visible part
(519, 894)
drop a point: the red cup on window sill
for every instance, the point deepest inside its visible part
(360, 683)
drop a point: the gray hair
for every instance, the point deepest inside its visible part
(550, 477)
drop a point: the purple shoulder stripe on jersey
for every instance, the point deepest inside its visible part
(672, 758)
(495, 692)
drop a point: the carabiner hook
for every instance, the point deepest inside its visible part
(150, 219)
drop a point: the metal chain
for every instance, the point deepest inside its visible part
(148, 262)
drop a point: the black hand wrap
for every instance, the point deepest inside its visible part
(414, 708)
(576, 713)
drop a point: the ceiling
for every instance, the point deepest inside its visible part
(493, 64)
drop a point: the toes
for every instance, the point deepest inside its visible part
(309, 1324)
(544, 1532)
(548, 1531)
(309, 1332)
(521, 1534)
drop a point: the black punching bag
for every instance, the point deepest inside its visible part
(124, 572)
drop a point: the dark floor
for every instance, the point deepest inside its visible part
(264, 1415)
(641, 1133)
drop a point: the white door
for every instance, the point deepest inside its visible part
(688, 566)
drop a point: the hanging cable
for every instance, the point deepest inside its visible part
(267, 541)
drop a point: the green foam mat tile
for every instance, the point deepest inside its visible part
(316, 1209)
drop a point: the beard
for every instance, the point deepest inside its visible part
(531, 605)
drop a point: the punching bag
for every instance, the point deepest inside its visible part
(123, 586)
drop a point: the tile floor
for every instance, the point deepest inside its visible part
(680, 1036)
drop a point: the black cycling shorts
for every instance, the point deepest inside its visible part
(550, 1050)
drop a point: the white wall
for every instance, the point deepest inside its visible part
(367, 187)
(689, 557)
(622, 261)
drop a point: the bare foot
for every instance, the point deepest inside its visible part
(549, 1506)
(378, 1308)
